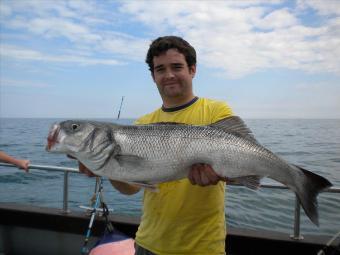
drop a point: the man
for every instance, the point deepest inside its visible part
(186, 216)
(182, 218)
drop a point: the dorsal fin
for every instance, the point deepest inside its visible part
(235, 125)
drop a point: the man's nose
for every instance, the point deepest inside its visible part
(169, 74)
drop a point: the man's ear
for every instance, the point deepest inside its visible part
(192, 70)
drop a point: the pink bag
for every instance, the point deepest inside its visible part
(114, 243)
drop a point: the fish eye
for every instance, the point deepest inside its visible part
(74, 127)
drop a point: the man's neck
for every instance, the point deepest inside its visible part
(175, 102)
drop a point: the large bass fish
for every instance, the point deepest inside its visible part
(162, 152)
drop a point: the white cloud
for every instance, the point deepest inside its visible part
(278, 19)
(236, 37)
(231, 38)
(124, 45)
(79, 26)
(24, 84)
(56, 28)
(9, 51)
(5, 10)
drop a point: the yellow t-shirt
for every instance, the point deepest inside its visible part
(183, 218)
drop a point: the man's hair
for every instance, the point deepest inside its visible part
(162, 44)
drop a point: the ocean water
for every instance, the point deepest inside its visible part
(312, 144)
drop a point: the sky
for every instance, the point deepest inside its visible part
(76, 59)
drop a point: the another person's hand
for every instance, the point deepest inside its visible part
(20, 163)
(203, 175)
(23, 164)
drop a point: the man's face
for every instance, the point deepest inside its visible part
(172, 75)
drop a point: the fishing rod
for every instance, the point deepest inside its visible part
(99, 188)
(120, 107)
(99, 206)
(95, 209)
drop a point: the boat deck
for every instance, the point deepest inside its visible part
(37, 230)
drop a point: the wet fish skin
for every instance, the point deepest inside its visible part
(151, 154)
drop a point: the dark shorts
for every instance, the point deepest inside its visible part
(141, 251)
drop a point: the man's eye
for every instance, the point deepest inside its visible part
(178, 67)
(159, 70)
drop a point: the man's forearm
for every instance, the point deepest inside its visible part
(125, 188)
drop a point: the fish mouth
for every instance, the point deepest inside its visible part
(52, 137)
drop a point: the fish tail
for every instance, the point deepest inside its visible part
(312, 186)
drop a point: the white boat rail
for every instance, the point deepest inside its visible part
(296, 235)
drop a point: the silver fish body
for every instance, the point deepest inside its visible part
(156, 153)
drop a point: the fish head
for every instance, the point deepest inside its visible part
(81, 139)
(68, 136)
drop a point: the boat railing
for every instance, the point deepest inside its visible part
(296, 234)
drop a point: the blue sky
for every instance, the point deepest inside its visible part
(76, 59)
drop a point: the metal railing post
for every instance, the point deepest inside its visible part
(65, 193)
(296, 235)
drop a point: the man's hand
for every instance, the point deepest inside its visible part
(83, 169)
(203, 175)
(122, 187)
